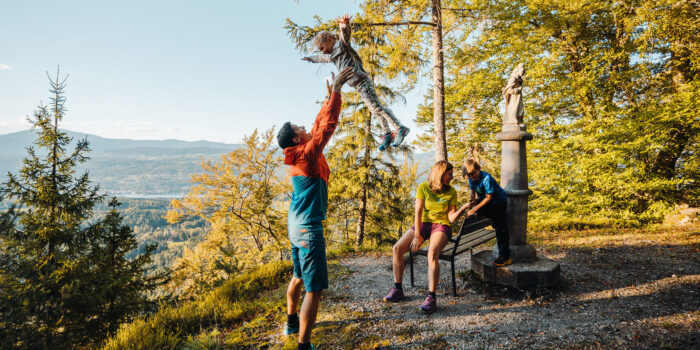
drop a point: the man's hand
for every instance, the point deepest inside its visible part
(471, 212)
(329, 89)
(342, 78)
(345, 19)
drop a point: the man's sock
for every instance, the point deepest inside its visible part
(305, 346)
(432, 294)
(398, 286)
(293, 319)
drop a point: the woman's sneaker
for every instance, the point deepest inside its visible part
(400, 135)
(501, 261)
(429, 305)
(395, 295)
(388, 137)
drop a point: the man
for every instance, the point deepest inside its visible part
(307, 210)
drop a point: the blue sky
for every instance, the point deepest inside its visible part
(190, 70)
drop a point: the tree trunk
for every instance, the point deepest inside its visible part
(438, 85)
(365, 182)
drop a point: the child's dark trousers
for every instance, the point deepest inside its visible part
(497, 214)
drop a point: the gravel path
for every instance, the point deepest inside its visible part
(626, 296)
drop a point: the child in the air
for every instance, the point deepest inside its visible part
(336, 49)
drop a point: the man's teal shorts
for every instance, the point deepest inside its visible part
(309, 256)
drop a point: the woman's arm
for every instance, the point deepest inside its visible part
(418, 215)
(417, 238)
(453, 213)
(480, 205)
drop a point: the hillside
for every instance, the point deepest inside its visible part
(126, 167)
(621, 289)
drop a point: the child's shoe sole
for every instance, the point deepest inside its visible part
(501, 264)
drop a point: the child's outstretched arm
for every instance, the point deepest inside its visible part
(345, 31)
(320, 58)
(476, 208)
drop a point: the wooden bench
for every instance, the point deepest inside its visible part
(473, 231)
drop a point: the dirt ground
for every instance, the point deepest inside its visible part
(634, 289)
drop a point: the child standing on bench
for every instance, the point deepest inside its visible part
(490, 202)
(436, 209)
(337, 49)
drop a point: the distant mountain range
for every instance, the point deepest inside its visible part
(137, 168)
(15, 143)
(127, 167)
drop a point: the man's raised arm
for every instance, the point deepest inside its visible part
(327, 118)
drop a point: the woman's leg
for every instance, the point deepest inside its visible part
(400, 248)
(438, 240)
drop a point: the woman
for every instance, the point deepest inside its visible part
(436, 209)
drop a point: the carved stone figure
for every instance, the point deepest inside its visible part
(528, 269)
(512, 94)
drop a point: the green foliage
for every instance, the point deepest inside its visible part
(63, 272)
(365, 186)
(238, 197)
(147, 219)
(610, 95)
(229, 304)
(121, 283)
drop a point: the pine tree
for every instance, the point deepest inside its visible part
(119, 285)
(52, 294)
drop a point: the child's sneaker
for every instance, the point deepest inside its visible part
(388, 137)
(400, 135)
(395, 295)
(502, 261)
(429, 305)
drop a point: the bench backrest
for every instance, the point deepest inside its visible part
(472, 232)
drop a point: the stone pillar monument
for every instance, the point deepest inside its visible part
(514, 167)
(527, 270)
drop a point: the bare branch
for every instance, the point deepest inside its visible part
(401, 23)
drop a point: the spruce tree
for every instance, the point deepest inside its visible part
(119, 284)
(49, 240)
(54, 290)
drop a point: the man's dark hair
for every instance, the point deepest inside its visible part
(286, 135)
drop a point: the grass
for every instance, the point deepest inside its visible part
(596, 238)
(244, 313)
(197, 322)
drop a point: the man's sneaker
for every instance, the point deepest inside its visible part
(400, 135)
(290, 329)
(388, 137)
(429, 305)
(501, 261)
(395, 295)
